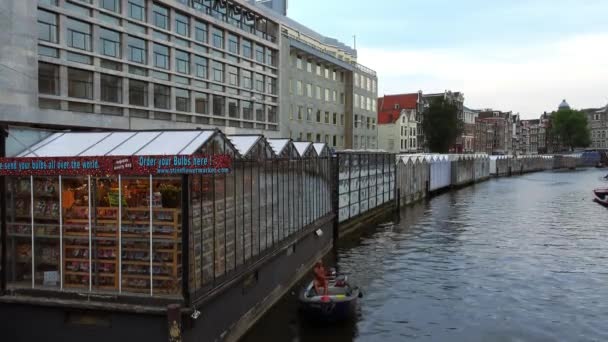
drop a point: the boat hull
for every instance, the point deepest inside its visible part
(601, 196)
(334, 307)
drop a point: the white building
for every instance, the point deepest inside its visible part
(397, 122)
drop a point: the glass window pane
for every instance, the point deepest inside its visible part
(111, 88)
(48, 78)
(80, 83)
(138, 93)
(137, 50)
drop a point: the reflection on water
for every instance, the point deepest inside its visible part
(512, 259)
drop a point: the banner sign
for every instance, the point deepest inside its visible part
(116, 165)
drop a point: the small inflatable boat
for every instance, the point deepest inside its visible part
(601, 196)
(339, 304)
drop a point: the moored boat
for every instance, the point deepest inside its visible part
(601, 196)
(339, 304)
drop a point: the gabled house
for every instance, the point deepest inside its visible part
(398, 122)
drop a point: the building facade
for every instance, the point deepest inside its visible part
(397, 122)
(500, 124)
(598, 128)
(168, 64)
(467, 138)
(140, 64)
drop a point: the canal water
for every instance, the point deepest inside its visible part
(511, 259)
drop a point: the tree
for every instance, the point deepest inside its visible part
(570, 127)
(441, 125)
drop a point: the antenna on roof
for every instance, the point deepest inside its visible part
(355, 42)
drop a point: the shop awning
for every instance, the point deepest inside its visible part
(142, 143)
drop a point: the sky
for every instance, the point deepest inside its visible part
(524, 56)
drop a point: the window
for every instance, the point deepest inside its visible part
(182, 100)
(318, 138)
(162, 96)
(308, 114)
(318, 93)
(299, 62)
(200, 64)
(246, 48)
(200, 31)
(326, 94)
(319, 116)
(218, 38)
(218, 71)
(182, 62)
(319, 69)
(272, 114)
(233, 43)
(356, 121)
(111, 5)
(308, 136)
(357, 101)
(79, 34)
(299, 88)
(233, 76)
(201, 103)
(341, 119)
(334, 78)
(80, 83)
(247, 82)
(300, 110)
(259, 112)
(259, 83)
(48, 78)
(335, 119)
(327, 117)
(161, 56)
(111, 88)
(137, 9)
(233, 108)
(335, 96)
(219, 105)
(259, 54)
(137, 50)
(309, 66)
(341, 98)
(270, 57)
(181, 25)
(272, 85)
(47, 26)
(109, 42)
(247, 110)
(160, 16)
(138, 93)
(334, 141)
(326, 73)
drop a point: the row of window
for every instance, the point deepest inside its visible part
(405, 131)
(318, 69)
(365, 103)
(364, 142)
(365, 83)
(179, 22)
(80, 85)
(79, 36)
(599, 134)
(326, 94)
(365, 122)
(300, 113)
(407, 144)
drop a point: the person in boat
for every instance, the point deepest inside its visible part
(320, 281)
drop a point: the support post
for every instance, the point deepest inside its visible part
(335, 194)
(185, 238)
(3, 227)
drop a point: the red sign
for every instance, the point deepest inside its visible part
(116, 165)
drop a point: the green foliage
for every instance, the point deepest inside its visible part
(441, 125)
(571, 128)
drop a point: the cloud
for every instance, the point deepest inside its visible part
(528, 79)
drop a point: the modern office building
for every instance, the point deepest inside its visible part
(139, 64)
(150, 64)
(325, 95)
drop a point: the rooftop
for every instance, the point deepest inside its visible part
(390, 106)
